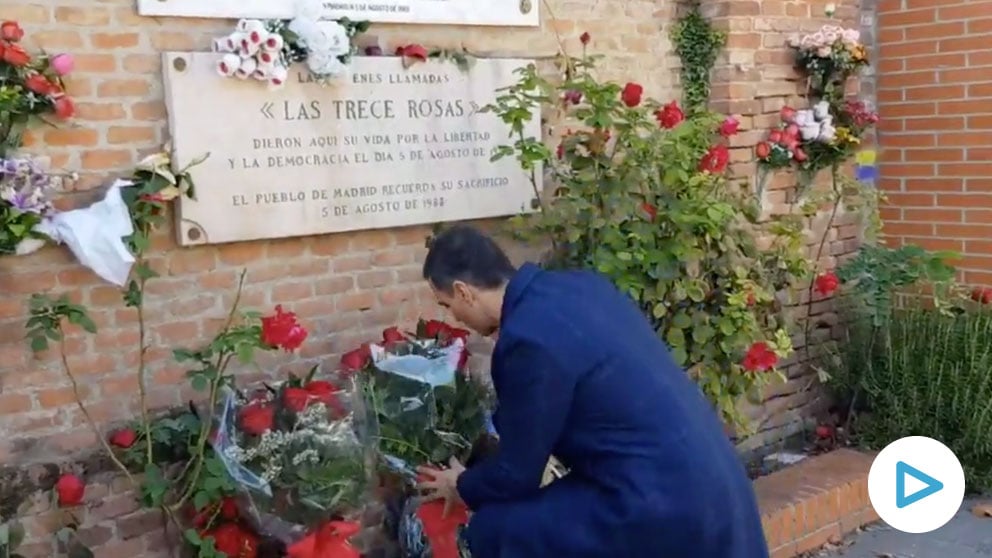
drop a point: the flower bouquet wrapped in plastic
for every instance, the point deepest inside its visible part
(424, 409)
(295, 452)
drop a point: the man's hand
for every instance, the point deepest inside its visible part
(441, 484)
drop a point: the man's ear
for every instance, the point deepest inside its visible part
(461, 291)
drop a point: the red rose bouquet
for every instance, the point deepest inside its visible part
(30, 85)
(424, 408)
(295, 452)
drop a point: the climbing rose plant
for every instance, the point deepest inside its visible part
(641, 195)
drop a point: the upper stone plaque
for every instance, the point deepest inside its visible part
(498, 13)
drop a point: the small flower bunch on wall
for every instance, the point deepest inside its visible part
(829, 56)
(264, 50)
(831, 131)
(25, 200)
(30, 86)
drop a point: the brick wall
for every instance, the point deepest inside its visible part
(345, 287)
(755, 78)
(935, 100)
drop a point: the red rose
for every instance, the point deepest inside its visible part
(458, 333)
(15, 55)
(37, 83)
(762, 150)
(327, 393)
(729, 127)
(572, 97)
(64, 107)
(759, 358)
(788, 114)
(234, 540)
(322, 390)
(824, 432)
(354, 361)
(631, 94)
(282, 330)
(751, 300)
(798, 154)
(715, 160)
(792, 132)
(392, 335)
(229, 508)
(670, 115)
(434, 328)
(296, 399)
(416, 52)
(826, 283)
(256, 419)
(124, 438)
(11, 31)
(775, 136)
(70, 490)
(982, 295)
(651, 210)
(584, 38)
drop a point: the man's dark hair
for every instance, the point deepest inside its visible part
(463, 253)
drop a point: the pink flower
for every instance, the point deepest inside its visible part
(62, 64)
(729, 127)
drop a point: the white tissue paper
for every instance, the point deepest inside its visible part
(95, 235)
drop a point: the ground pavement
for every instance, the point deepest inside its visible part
(966, 536)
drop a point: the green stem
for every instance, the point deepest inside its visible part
(220, 365)
(834, 170)
(86, 413)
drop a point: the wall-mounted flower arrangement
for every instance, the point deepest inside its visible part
(264, 50)
(30, 86)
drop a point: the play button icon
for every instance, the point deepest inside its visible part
(916, 484)
(930, 484)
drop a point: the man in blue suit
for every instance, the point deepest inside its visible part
(580, 374)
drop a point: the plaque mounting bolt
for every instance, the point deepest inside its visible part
(179, 63)
(525, 6)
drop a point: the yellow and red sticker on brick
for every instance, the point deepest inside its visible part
(817, 501)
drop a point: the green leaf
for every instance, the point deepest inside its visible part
(681, 321)
(192, 537)
(39, 344)
(201, 500)
(200, 382)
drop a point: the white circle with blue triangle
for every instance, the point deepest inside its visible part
(916, 484)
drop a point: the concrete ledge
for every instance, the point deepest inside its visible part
(816, 501)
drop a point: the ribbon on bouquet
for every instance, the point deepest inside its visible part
(330, 540)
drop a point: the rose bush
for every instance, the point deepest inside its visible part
(640, 193)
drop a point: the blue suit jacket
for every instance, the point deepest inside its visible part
(580, 373)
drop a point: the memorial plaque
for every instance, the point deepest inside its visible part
(505, 13)
(386, 146)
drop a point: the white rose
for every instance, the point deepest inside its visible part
(303, 28)
(809, 132)
(827, 133)
(821, 110)
(335, 37)
(323, 64)
(804, 118)
(852, 36)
